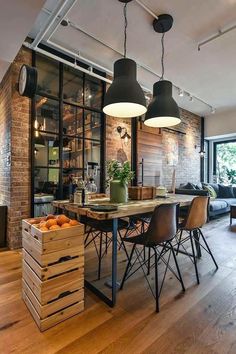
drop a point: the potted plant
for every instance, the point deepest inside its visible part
(119, 175)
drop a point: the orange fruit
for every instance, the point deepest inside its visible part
(32, 221)
(73, 223)
(44, 228)
(65, 225)
(42, 224)
(50, 223)
(50, 216)
(62, 219)
(54, 227)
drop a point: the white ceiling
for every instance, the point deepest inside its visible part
(16, 19)
(209, 74)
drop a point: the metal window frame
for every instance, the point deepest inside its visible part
(60, 134)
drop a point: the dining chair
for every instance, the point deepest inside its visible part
(197, 216)
(158, 237)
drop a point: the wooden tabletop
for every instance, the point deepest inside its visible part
(132, 207)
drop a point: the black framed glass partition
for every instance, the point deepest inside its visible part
(68, 131)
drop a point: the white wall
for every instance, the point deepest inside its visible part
(220, 125)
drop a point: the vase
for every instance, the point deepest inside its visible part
(118, 192)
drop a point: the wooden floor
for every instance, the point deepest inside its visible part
(203, 320)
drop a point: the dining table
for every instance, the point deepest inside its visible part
(124, 210)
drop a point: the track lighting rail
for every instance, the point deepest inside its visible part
(219, 34)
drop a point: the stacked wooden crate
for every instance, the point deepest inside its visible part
(53, 273)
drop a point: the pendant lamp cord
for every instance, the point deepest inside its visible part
(125, 29)
(162, 56)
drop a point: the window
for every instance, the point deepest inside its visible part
(225, 162)
(67, 131)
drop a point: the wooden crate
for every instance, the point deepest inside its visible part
(142, 193)
(53, 273)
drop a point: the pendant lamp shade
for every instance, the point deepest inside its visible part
(162, 111)
(125, 97)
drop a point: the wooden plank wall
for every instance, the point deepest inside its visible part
(149, 148)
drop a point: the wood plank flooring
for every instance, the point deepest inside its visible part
(203, 320)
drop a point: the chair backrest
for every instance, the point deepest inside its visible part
(197, 214)
(163, 225)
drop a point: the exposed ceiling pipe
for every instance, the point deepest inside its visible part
(76, 66)
(219, 34)
(140, 3)
(54, 14)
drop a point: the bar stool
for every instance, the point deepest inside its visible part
(196, 218)
(160, 232)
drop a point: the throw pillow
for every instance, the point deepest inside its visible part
(210, 190)
(189, 186)
(226, 191)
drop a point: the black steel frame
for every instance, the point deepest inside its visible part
(215, 144)
(60, 134)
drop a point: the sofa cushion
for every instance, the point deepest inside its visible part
(229, 201)
(188, 186)
(199, 186)
(218, 204)
(225, 191)
(210, 189)
(215, 186)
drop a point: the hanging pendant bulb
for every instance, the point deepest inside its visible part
(125, 97)
(162, 111)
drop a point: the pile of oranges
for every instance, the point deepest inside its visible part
(53, 222)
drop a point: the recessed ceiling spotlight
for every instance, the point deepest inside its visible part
(181, 92)
(213, 110)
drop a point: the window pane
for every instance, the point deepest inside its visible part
(93, 92)
(72, 120)
(92, 125)
(46, 149)
(72, 153)
(68, 185)
(72, 85)
(48, 75)
(46, 182)
(47, 114)
(92, 152)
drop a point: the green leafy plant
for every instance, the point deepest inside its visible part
(117, 171)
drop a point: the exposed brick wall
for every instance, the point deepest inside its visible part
(15, 150)
(188, 166)
(5, 139)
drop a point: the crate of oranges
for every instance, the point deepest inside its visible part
(53, 268)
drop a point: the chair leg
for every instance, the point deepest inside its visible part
(149, 260)
(194, 257)
(127, 267)
(179, 241)
(100, 257)
(177, 266)
(156, 282)
(209, 250)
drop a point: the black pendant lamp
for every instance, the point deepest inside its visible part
(125, 97)
(162, 111)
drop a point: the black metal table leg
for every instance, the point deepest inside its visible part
(114, 260)
(111, 283)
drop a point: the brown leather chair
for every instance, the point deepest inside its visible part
(197, 216)
(161, 231)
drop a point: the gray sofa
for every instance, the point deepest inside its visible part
(219, 205)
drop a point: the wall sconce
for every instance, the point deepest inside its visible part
(201, 152)
(126, 137)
